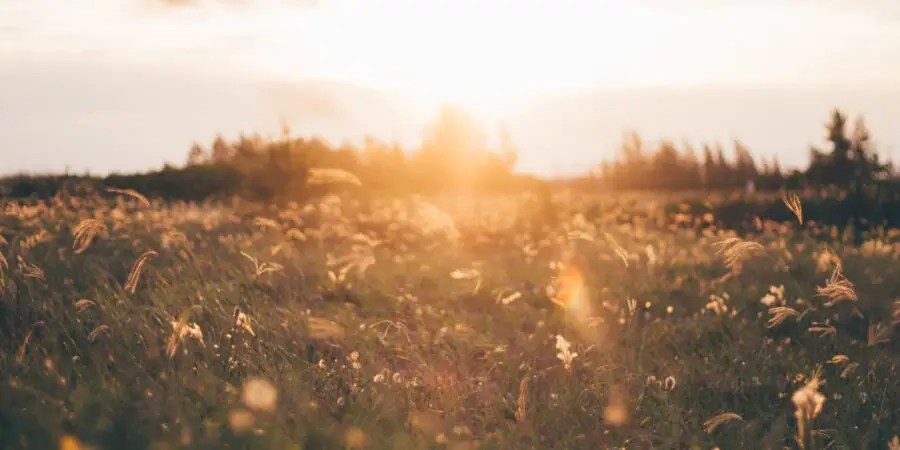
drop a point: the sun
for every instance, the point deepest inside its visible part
(484, 56)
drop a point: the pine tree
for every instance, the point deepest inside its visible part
(709, 168)
(691, 169)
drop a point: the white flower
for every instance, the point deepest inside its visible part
(565, 354)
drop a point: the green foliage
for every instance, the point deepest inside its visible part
(671, 168)
(851, 162)
(197, 182)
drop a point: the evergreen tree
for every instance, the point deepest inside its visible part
(665, 167)
(709, 168)
(745, 166)
(691, 168)
(724, 173)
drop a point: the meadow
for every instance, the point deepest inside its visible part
(492, 322)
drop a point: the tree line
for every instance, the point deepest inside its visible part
(852, 159)
(455, 156)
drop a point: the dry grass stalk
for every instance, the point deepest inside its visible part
(31, 270)
(4, 267)
(84, 233)
(181, 330)
(522, 402)
(780, 314)
(33, 240)
(265, 222)
(792, 201)
(824, 330)
(135, 275)
(130, 193)
(735, 250)
(102, 329)
(20, 355)
(324, 329)
(331, 176)
(878, 333)
(720, 419)
(83, 304)
(838, 288)
(260, 269)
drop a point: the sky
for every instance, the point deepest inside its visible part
(127, 85)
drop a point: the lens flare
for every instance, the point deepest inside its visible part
(572, 294)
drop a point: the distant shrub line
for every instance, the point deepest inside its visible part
(454, 157)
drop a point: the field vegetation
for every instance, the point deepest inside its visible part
(569, 320)
(282, 293)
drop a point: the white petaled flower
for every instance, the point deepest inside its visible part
(565, 353)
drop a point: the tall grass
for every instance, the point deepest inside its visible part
(484, 323)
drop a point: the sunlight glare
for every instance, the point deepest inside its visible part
(484, 56)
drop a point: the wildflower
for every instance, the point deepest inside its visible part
(565, 354)
(354, 360)
(717, 304)
(242, 322)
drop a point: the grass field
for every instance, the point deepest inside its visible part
(493, 323)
